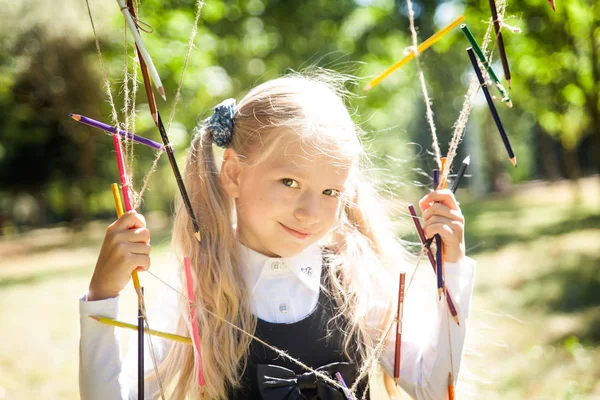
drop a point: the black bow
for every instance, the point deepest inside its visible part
(279, 383)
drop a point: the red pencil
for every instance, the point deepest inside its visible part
(399, 326)
(193, 320)
(417, 223)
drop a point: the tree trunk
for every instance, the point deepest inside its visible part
(497, 177)
(572, 172)
(546, 156)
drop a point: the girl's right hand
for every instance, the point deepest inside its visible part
(126, 248)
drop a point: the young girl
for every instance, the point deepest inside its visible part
(295, 251)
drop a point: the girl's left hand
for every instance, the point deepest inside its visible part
(442, 216)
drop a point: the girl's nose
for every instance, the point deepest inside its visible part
(308, 209)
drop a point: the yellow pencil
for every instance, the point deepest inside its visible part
(119, 208)
(164, 335)
(422, 47)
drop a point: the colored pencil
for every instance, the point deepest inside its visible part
(144, 68)
(459, 176)
(450, 387)
(340, 379)
(164, 335)
(111, 129)
(417, 223)
(461, 173)
(140, 44)
(422, 47)
(193, 320)
(438, 242)
(178, 179)
(443, 162)
(501, 48)
(140, 291)
(126, 196)
(117, 199)
(488, 97)
(503, 92)
(399, 314)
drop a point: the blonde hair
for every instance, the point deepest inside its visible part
(363, 252)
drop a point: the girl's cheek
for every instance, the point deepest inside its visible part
(333, 211)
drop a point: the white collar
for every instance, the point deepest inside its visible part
(305, 266)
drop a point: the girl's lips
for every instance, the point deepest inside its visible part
(295, 233)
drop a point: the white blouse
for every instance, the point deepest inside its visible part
(283, 290)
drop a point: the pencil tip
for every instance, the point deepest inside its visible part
(198, 238)
(467, 160)
(514, 161)
(367, 88)
(509, 84)
(76, 117)
(161, 90)
(509, 104)
(94, 317)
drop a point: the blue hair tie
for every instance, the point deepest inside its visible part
(220, 124)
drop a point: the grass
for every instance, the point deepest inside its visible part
(535, 325)
(534, 331)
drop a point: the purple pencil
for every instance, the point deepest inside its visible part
(347, 393)
(112, 129)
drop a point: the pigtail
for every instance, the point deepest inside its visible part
(218, 284)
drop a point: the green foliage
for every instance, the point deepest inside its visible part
(241, 43)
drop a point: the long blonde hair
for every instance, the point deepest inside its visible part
(363, 251)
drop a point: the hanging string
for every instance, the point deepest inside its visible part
(105, 79)
(147, 177)
(373, 360)
(199, 4)
(177, 96)
(152, 352)
(428, 112)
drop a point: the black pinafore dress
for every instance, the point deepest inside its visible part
(317, 341)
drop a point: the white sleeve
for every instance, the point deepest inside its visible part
(427, 331)
(101, 373)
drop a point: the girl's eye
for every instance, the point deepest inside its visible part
(331, 192)
(289, 182)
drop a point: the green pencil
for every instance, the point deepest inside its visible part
(486, 64)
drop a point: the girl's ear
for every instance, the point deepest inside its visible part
(230, 173)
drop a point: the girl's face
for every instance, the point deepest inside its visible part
(289, 201)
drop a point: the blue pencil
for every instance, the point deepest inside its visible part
(438, 243)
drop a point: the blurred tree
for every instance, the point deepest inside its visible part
(39, 148)
(554, 126)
